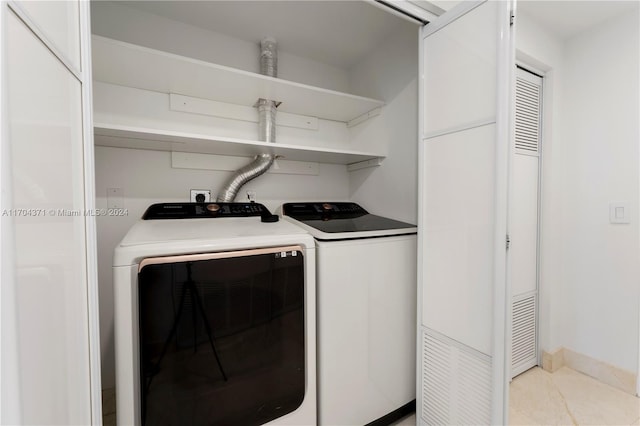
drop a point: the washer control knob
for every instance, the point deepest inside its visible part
(327, 206)
(213, 207)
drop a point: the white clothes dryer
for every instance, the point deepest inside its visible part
(215, 318)
(366, 294)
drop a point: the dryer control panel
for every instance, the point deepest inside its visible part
(204, 210)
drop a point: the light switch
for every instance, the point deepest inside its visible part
(619, 213)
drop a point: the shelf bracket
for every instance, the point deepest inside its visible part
(364, 117)
(374, 162)
(193, 105)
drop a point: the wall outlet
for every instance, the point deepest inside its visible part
(200, 195)
(115, 198)
(619, 213)
(251, 196)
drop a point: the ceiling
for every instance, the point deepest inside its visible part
(566, 19)
(326, 30)
(323, 30)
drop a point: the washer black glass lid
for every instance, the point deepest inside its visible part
(332, 217)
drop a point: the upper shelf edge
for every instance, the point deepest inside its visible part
(158, 140)
(127, 64)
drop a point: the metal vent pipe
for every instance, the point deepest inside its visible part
(269, 57)
(266, 128)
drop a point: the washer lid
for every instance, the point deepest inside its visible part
(337, 218)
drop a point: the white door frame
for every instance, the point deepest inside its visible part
(10, 405)
(90, 221)
(505, 125)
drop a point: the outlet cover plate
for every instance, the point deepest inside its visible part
(619, 213)
(205, 192)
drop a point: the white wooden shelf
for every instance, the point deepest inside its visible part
(161, 140)
(131, 65)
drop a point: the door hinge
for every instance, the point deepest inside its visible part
(512, 18)
(508, 242)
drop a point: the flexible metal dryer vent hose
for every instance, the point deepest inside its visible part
(266, 129)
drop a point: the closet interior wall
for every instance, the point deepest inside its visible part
(388, 72)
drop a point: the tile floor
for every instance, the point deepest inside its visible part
(537, 397)
(567, 397)
(109, 407)
(410, 420)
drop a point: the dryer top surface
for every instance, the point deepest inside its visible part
(179, 236)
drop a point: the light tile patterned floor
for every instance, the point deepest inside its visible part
(109, 407)
(567, 397)
(410, 420)
(537, 397)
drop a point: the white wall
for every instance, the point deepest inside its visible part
(589, 271)
(390, 74)
(599, 130)
(121, 22)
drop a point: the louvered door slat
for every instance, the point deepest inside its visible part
(456, 382)
(523, 335)
(528, 98)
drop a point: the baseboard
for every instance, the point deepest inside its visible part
(395, 415)
(606, 373)
(553, 361)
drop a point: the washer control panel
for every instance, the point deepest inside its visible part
(322, 210)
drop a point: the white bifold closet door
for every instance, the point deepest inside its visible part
(524, 222)
(466, 85)
(50, 340)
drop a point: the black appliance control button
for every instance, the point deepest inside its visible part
(269, 218)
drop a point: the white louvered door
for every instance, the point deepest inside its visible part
(528, 112)
(466, 73)
(524, 222)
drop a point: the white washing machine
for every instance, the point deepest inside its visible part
(215, 318)
(366, 294)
